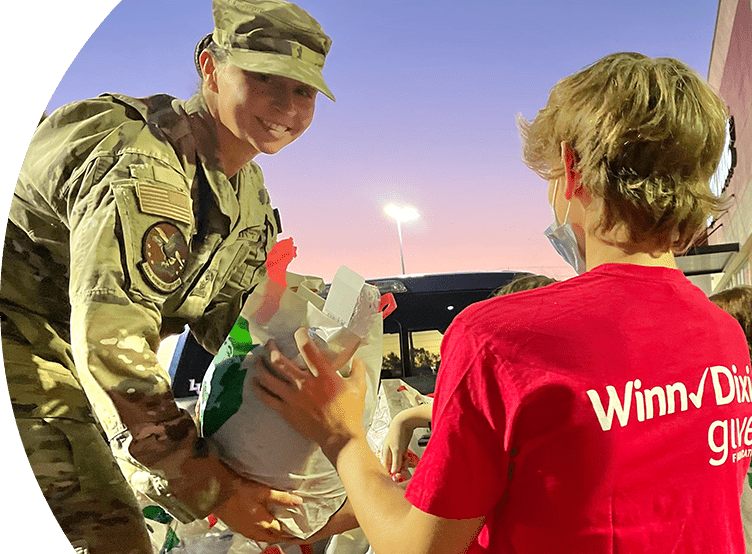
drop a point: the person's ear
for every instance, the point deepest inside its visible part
(572, 176)
(208, 70)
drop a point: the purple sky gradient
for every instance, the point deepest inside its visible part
(427, 93)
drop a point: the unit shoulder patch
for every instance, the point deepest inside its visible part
(164, 252)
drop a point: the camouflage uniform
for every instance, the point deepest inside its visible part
(122, 230)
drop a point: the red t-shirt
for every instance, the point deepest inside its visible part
(609, 413)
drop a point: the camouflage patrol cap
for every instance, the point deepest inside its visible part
(274, 37)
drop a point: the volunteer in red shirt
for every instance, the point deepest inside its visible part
(609, 413)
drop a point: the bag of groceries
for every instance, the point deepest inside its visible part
(253, 439)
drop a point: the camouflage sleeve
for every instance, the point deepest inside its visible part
(129, 218)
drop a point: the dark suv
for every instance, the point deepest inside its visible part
(426, 305)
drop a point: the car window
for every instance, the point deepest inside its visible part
(425, 352)
(391, 361)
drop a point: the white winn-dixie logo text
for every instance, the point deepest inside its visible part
(727, 439)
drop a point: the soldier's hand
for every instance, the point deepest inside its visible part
(247, 511)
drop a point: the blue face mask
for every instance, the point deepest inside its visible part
(563, 239)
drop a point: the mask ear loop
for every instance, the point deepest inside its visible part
(566, 215)
(553, 210)
(553, 200)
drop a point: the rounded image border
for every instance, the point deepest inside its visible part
(35, 68)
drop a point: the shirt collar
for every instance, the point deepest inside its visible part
(203, 129)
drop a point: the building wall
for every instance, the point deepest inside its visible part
(730, 75)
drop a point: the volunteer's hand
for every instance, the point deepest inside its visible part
(394, 451)
(247, 511)
(394, 455)
(326, 408)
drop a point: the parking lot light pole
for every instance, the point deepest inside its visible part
(400, 214)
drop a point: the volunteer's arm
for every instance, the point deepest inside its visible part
(328, 409)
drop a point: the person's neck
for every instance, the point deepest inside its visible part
(604, 249)
(599, 252)
(233, 153)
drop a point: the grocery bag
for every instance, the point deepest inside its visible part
(255, 440)
(169, 536)
(203, 536)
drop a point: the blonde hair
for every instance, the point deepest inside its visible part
(648, 135)
(737, 301)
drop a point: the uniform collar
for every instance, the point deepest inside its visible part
(204, 131)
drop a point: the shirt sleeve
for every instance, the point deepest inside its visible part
(127, 247)
(464, 471)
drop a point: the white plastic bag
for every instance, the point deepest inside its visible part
(253, 439)
(169, 536)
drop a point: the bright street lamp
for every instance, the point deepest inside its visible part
(401, 213)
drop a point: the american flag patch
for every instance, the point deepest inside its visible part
(162, 201)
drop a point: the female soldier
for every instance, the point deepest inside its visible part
(132, 218)
(598, 414)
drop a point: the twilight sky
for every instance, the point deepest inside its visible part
(427, 93)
